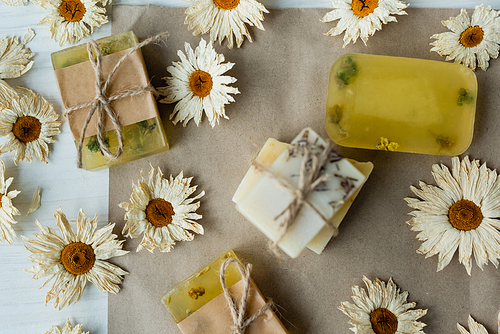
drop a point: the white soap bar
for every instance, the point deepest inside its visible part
(267, 155)
(266, 200)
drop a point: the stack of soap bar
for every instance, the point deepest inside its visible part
(198, 305)
(141, 124)
(402, 104)
(260, 199)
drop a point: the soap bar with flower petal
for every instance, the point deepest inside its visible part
(198, 304)
(401, 104)
(141, 124)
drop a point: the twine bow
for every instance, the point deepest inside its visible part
(238, 310)
(101, 102)
(310, 179)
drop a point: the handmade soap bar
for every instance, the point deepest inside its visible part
(198, 305)
(401, 104)
(138, 115)
(267, 155)
(261, 198)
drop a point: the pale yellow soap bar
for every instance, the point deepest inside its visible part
(401, 104)
(267, 155)
(260, 200)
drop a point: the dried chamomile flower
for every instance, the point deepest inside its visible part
(7, 210)
(384, 310)
(198, 85)
(28, 123)
(472, 41)
(163, 210)
(361, 18)
(474, 327)
(462, 213)
(15, 59)
(73, 259)
(67, 329)
(71, 20)
(223, 18)
(35, 202)
(15, 2)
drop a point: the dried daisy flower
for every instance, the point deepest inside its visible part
(71, 20)
(462, 212)
(198, 85)
(384, 310)
(163, 210)
(223, 18)
(361, 18)
(73, 259)
(7, 210)
(473, 41)
(67, 329)
(15, 59)
(29, 122)
(15, 2)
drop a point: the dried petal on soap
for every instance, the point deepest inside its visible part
(15, 58)
(35, 202)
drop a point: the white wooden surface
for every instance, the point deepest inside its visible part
(22, 308)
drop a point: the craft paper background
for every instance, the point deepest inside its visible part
(283, 79)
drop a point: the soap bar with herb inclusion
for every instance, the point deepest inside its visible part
(401, 104)
(141, 138)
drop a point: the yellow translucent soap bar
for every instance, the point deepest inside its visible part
(200, 288)
(401, 104)
(141, 139)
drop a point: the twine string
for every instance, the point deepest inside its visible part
(238, 310)
(101, 102)
(309, 180)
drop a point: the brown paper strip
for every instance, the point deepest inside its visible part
(77, 86)
(215, 316)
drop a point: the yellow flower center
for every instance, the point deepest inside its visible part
(465, 215)
(362, 8)
(227, 4)
(196, 292)
(472, 36)
(78, 258)
(159, 212)
(27, 128)
(384, 321)
(200, 83)
(1, 195)
(72, 10)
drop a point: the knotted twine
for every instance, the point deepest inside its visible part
(310, 178)
(238, 310)
(101, 102)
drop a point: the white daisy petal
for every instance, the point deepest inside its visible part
(67, 329)
(384, 305)
(472, 42)
(15, 58)
(73, 259)
(463, 213)
(168, 215)
(197, 85)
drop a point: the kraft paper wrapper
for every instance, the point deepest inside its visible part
(215, 316)
(77, 86)
(283, 79)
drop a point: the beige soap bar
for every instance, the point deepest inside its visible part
(260, 200)
(267, 155)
